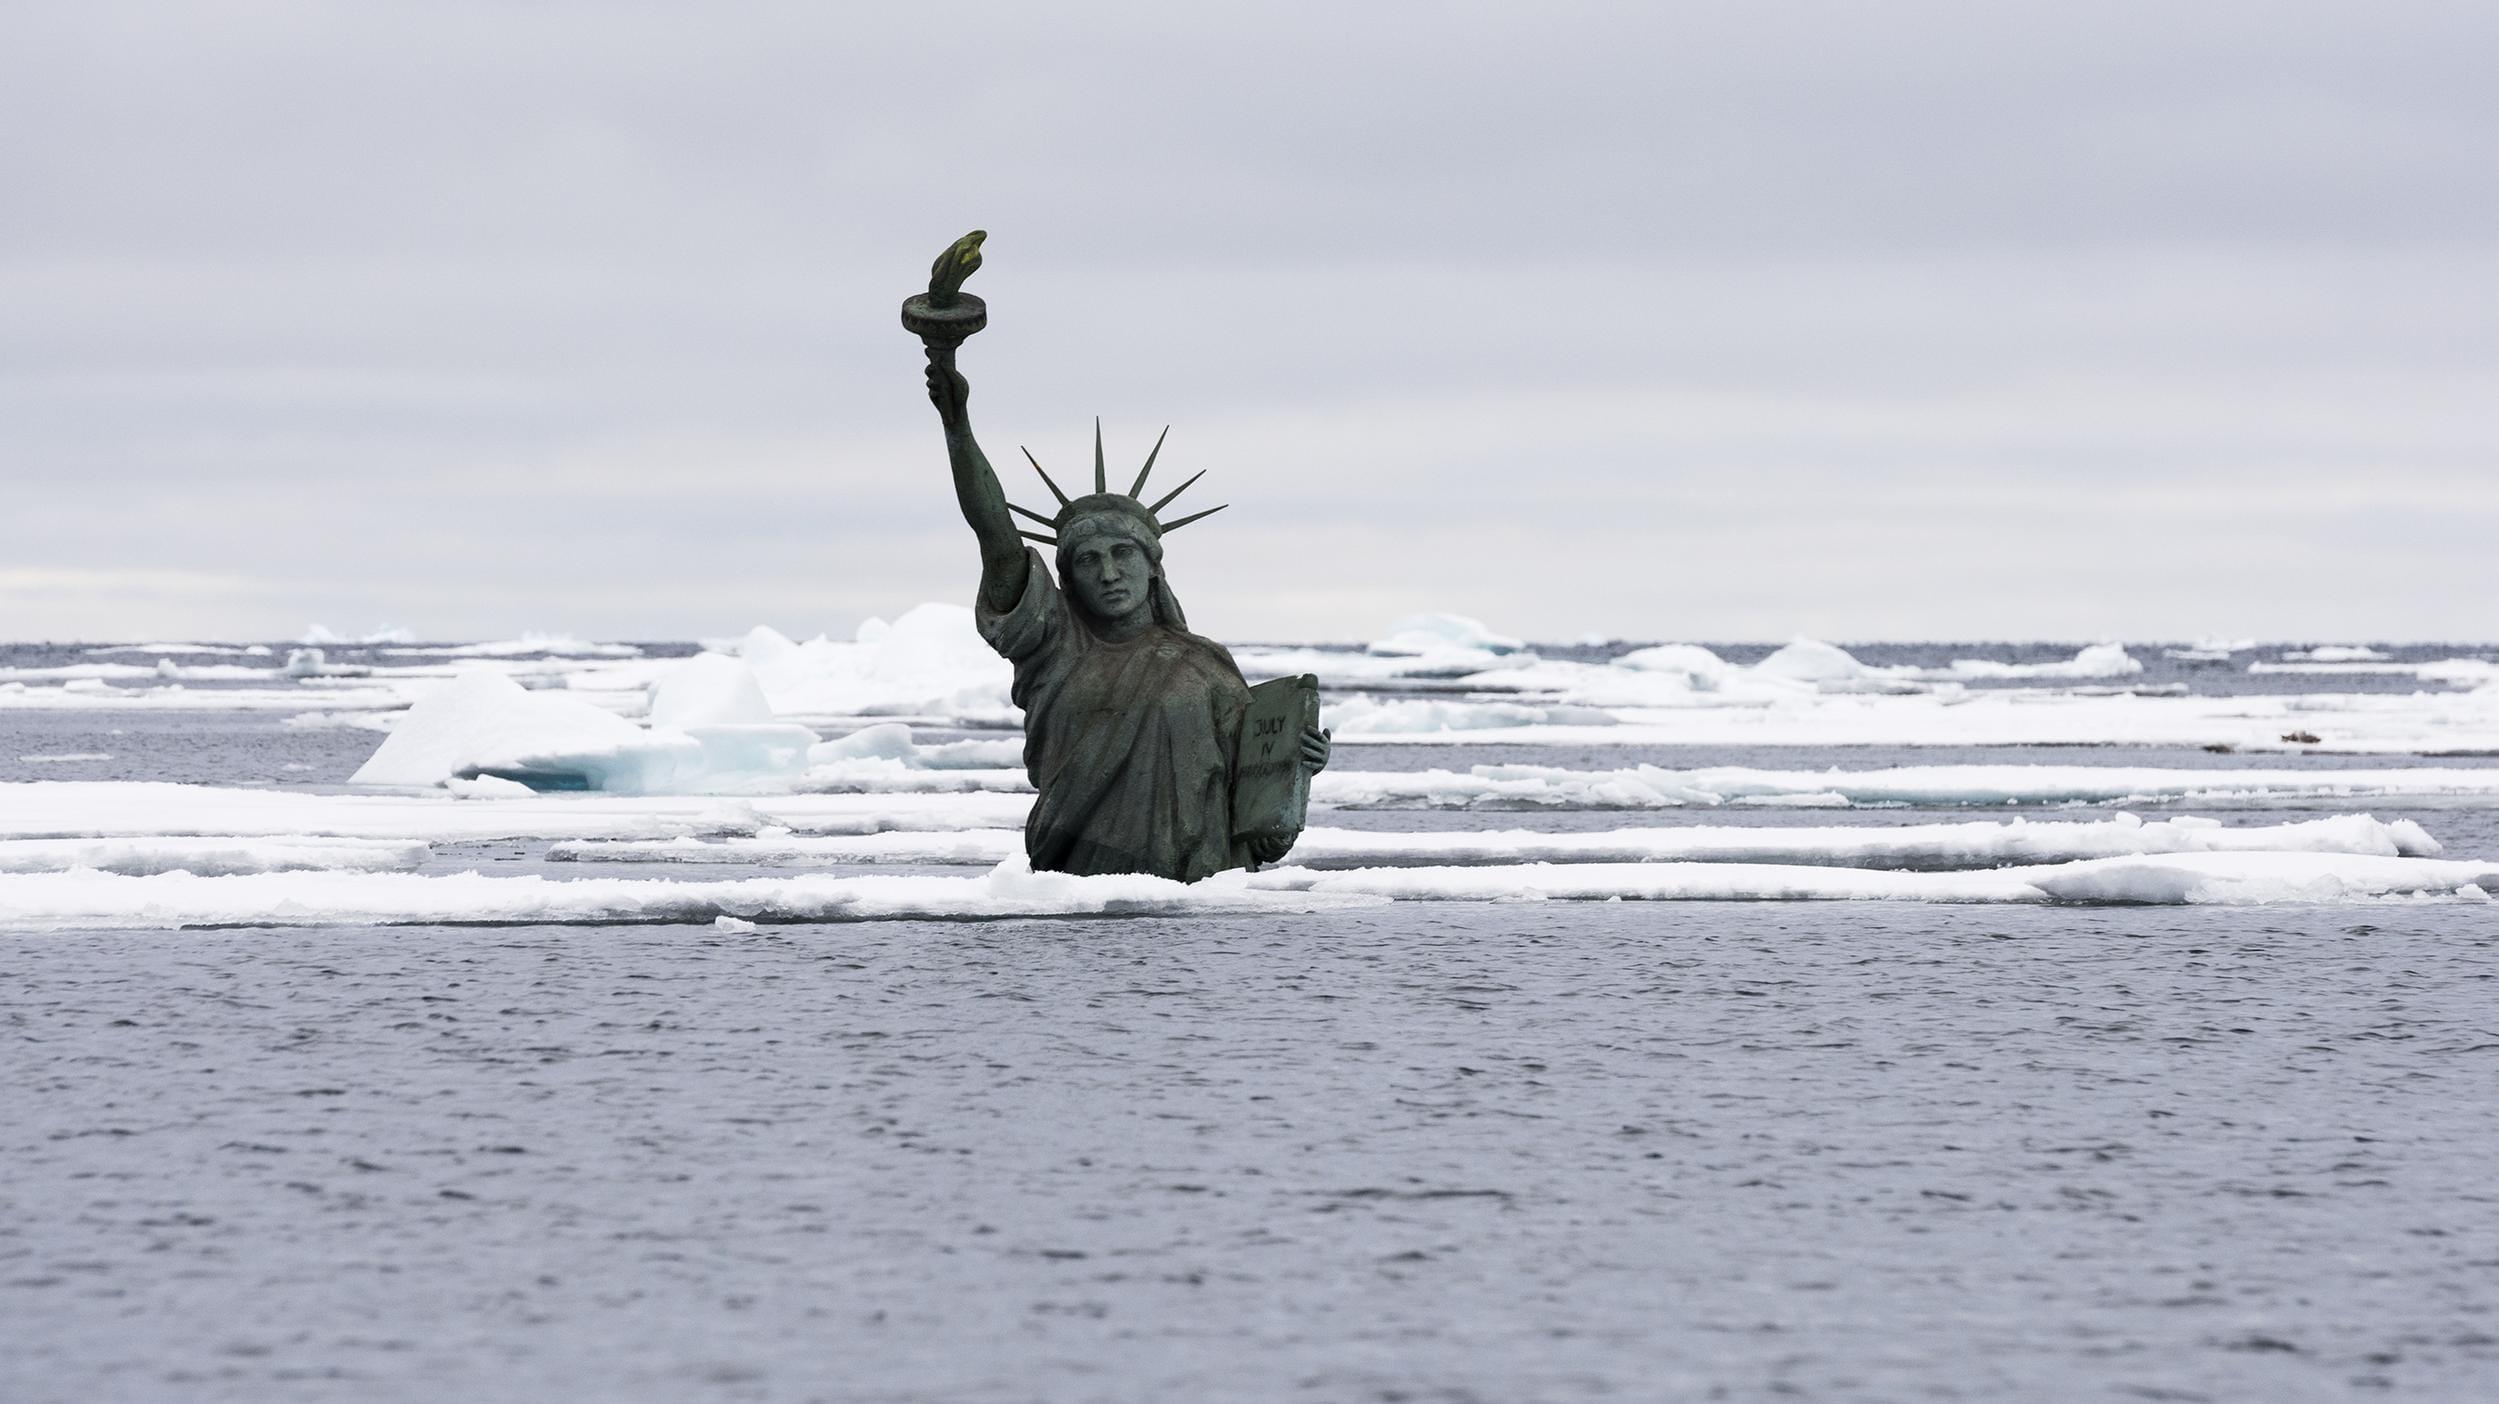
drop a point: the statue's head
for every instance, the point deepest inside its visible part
(1110, 556)
(1110, 544)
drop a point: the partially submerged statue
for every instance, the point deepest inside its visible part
(1131, 723)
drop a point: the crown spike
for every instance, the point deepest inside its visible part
(1045, 476)
(1101, 480)
(1137, 489)
(1169, 527)
(1175, 492)
(1036, 516)
(1037, 536)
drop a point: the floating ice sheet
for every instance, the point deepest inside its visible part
(1920, 846)
(121, 809)
(43, 901)
(47, 901)
(2189, 879)
(208, 856)
(1654, 787)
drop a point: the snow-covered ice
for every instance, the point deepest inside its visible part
(88, 899)
(1916, 846)
(208, 856)
(1655, 787)
(2189, 879)
(705, 737)
(113, 809)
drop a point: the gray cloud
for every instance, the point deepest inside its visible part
(1670, 322)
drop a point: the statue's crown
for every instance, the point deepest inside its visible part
(1131, 502)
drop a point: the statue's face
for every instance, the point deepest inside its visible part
(1112, 578)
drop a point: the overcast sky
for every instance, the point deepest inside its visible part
(1728, 321)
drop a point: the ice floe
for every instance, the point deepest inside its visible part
(1655, 787)
(929, 662)
(86, 898)
(41, 901)
(226, 650)
(1920, 846)
(2190, 879)
(527, 645)
(389, 634)
(208, 856)
(705, 739)
(121, 809)
(2107, 660)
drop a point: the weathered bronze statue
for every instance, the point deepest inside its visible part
(1132, 724)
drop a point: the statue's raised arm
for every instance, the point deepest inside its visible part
(942, 317)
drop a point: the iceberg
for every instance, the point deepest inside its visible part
(929, 662)
(1829, 668)
(884, 758)
(1428, 633)
(1698, 669)
(484, 723)
(2107, 660)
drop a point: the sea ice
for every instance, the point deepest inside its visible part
(485, 723)
(2106, 660)
(207, 856)
(1654, 787)
(125, 809)
(929, 662)
(1921, 847)
(389, 634)
(2192, 878)
(50, 901)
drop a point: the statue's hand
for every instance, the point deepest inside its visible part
(1315, 749)
(1267, 848)
(949, 391)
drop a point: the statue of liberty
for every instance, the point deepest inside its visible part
(1131, 722)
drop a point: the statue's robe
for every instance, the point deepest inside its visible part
(1130, 744)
